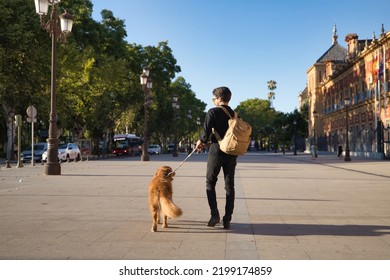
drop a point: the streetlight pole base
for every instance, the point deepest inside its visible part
(52, 168)
(347, 156)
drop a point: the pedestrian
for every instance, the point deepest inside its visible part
(216, 119)
(340, 151)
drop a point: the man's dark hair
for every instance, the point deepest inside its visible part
(223, 92)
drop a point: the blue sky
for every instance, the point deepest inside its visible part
(245, 43)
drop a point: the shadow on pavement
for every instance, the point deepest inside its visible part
(301, 229)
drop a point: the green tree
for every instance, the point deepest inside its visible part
(23, 61)
(186, 116)
(163, 68)
(98, 88)
(259, 114)
(103, 79)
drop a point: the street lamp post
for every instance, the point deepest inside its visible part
(315, 115)
(198, 124)
(189, 131)
(284, 128)
(347, 152)
(294, 141)
(52, 166)
(146, 83)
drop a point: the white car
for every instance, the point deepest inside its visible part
(154, 149)
(66, 152)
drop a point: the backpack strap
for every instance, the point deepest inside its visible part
(227, 112)
(230, 117)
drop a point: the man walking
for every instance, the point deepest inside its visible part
(217, 120)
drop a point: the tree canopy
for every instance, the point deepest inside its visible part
(98, 86)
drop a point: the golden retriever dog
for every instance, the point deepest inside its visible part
(160, 197)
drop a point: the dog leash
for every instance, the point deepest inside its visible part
(183, 161)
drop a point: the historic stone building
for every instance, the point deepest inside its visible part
(347, 90)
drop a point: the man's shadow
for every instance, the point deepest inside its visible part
(306, 229)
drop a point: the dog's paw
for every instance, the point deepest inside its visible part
(153, 230)
(165, 225)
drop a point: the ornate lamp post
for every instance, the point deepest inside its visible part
(294, 140)
(52, 166)
(315, 115)
(347, 154)
(198, 124)
(146, 83)
(189, 130)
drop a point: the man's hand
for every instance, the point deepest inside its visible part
(200, 145)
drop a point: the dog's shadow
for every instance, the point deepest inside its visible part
(187, 226)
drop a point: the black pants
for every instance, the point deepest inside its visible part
(217, 160)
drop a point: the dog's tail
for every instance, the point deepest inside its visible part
(169, 208)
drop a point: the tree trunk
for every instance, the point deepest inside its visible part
(10, 131)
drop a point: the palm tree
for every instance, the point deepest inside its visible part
(271, 94)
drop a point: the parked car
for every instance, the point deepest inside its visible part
(39, 149)
(69, 151)
(154, 149)
(171, 148)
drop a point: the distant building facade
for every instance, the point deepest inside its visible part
(358, 73)
(302, 99)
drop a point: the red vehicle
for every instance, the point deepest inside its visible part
(126, 144)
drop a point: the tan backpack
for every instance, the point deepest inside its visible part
(237, 137)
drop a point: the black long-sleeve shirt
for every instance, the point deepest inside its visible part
(215, 118)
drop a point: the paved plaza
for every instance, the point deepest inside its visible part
(287, 207)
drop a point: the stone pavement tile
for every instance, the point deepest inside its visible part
(282, 255)
(152, 251)
(117, 236)
(300, 250)
(80, 251)
(367, 247)
(244, 245)
(342, 256)
(241, 254)
(17, 249)
(180, 249)
(85, 237)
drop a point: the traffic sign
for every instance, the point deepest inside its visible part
(31, 111)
